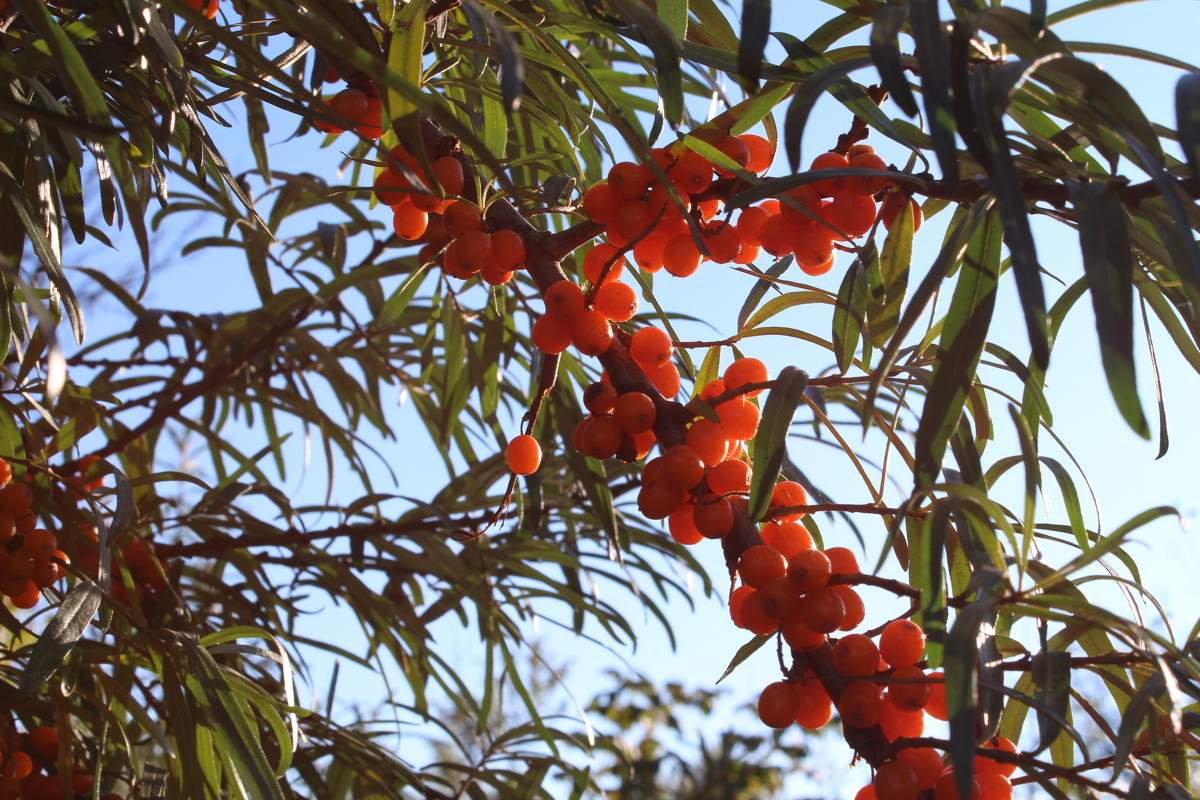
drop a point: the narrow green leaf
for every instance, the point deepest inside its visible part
(759, 289)
(964, 333)
(752, 44)
(933, 53)
(1108, 266)
(1052, 676)
(744, 652)
(829, 78)
(405, 50)
(962, 653)
(648, 28)
(61, 635)
(1187, 120)
(885, 52)
(849, 315)
(770, 443)
(895, 260)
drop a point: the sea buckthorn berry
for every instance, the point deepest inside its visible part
(390, 188)
(993, 786)
(551, 334)
(651, 347)
(722, 241)
(600, 397)
(789, 538)
(616, 301)
(600, 203)
(946, 788)
(810, 569)
(760, 150)
(984, 765)
(896, 724)
(760, 564)
(859, 704)
(813, 246)
(474, 250)
(731, 475)
(603, 263)
(629, 180)
(707, 439)
(350, 104)
(659, 500)
(665, 378)
(745, 371)
(410, 223)
(650, 253)
(866, 185)
(779, 598)
(777, 235)
(448, 171)
(654, 471)
(209, 7)
(736, 598)
(816, 709)
(823, 610)
(926, 764)
(750, 222)
(788, 494)
(40, 543)
(564, 300)
(907, 689)
(737, 151)
(866, 793)
(819, 269)
(895, 780)
(852, 215)
(15, 499)
(591, 333)
(902, 643)
(799, 636)
(461, 217)
(682, 525)
(830, 160)
(602, 437)
(858, 149)
(682, 467)
(935, 706)
(691, 173)
(18, 765)
(754, 618)
(635, 412)
(681, 256)
(713, 516)
(633, 219)
(712, 389)
(800, 206)
(82, 781)
(368, 124)
(856, 612)
(843, 560)
(856, 655)
(508, 249)
(20, 564)
(778, 705)
(524, 454)
(47, 573)
(894, 204)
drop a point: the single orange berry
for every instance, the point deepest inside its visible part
(600, 397)
(591, 333)
(731, 475)
(564, 300)
(635, 412)
(616, 301)
(896, 780)
(551, 334)
(651, 347)
(524, 454)
(859, 704)
(778, 705)
(759, 564)
(902, 643)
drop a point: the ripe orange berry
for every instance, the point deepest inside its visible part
(210, 7)
(777, 235)
(6, 473)
(892, 207)
(350, 104)
(842, 560)
(731, 475)
(788, 538)
(714, 516)
(524, 454)
(813, 246)
(651, 347)
(591, 333)
(739, 417)
(551, 334)
(895, 780)
(635, 412)
(907, 690)
(43, 741)
(926, 764)
(823, 610)
(859, 704)
(600, 203)
(852, 215)
(902, 643)
(448, 172)
(779, 598)
(707, 439)
(993, 786)
(564, 300)
(633, 219)
(816, 709)
(788, 494)
(752, 616)
(866, 793)
(830, 160)
(40, 543)
(682, 525)
(628, 180)
(616, 301)
(984, 765)
(799, 636)
(866, 184)
(935, 706)
(810, 569)
(602, 437)
(778, 705)
(508, 249)
(760, 564)
(683, 469)
(856, 655)
(659, 501)
(410, 222)
(665, 378)
(681, 257)
(390, 188)
(760, 150)
(600, 397)
(603, 260)
(648, 254)
(461, 217)
(946, 788)
(744, 371)
(750, 222)
(474, 250)
(18, 765)
(691, 173)
(855, 610)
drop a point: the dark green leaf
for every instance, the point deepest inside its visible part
(964, 332)
(61, 635)
(756, 27)
(744, 652)
(770, 443)
(849, 315)
(885, 52)
(1052, 676)
(1187, 120)
(962, 654)
(933, 53)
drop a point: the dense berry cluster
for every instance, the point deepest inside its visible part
(30, 559)
(361, 109)
(29, 764)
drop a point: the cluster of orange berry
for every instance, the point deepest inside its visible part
(27, 771)
(919, 769)
(362, 109)
(147, 571)
(29, 558)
